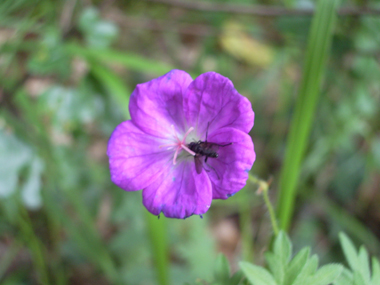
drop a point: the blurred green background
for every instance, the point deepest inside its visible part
(67, 69)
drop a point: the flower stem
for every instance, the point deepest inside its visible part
(264, 188)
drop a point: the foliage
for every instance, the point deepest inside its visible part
(67, 69)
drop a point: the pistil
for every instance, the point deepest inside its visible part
(180, 144)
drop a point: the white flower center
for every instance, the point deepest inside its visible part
(179, 144)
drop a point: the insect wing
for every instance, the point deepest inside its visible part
(210, 146)
(198, 163)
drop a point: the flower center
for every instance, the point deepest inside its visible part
(179, 144)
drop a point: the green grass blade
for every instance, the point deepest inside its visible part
(316, 56)
(158, 240)
(129, 60)
(114, 85)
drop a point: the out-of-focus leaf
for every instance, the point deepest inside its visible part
(346, 278)
(30, 191)
(349, 251)
(98, 33)
(296, 265)
(128, 59)
(244, 47)
(375, 271)
(282, 248)
(50, 57)
(276, 266)
(364, 264)
(326, 275)
(307, 270)
(13, 156)
(221, 269)
(256, 274)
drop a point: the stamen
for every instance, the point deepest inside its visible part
(180, 144)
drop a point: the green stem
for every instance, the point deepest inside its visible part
(271, 212)
(264, 188)
(246, 226)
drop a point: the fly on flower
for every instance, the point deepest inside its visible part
(205, 149)
(178, 123)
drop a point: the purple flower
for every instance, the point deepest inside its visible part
(152, 151)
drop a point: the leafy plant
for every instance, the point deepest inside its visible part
(284, 270)
(360, 273)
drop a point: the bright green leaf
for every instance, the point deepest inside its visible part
(375, 271)
(358, 279)
(364, 264)
(326, 275)
(346, 278)
(296, 264)
(282, 248)
(349, 251)
(257, 275)
(276, 267)
(307, 271)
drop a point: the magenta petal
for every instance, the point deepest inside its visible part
(233, 163)
(157, 104)
(179, 193)
(213, 99)
(135, 158)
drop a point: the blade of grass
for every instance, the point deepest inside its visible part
(129, 60)
(316, 56)
(158, 240)
(114, 85)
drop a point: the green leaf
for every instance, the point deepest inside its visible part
(307, 271)
(346, 278)
(282, 248)
(316, 56)
(375, 271)
(326, 275)
(358, 279)
(221, 269)
(295, 266)
(257, 275)
(236, 278)
(364, 264)
(349, 251)
(276, 267)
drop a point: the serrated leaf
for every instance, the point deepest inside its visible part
(375, 271)
(283, 248)
(221, 269)
(364, 264)
(275, 266)
(307, 271)
(257, 275)
(346, 278)
(358, 278)
(295, 266)
(349, 251)
(326, 275)
(236, 278)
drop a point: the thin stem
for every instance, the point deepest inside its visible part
(264, 189)
(271, 211)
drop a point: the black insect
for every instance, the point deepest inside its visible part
(205, 149)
